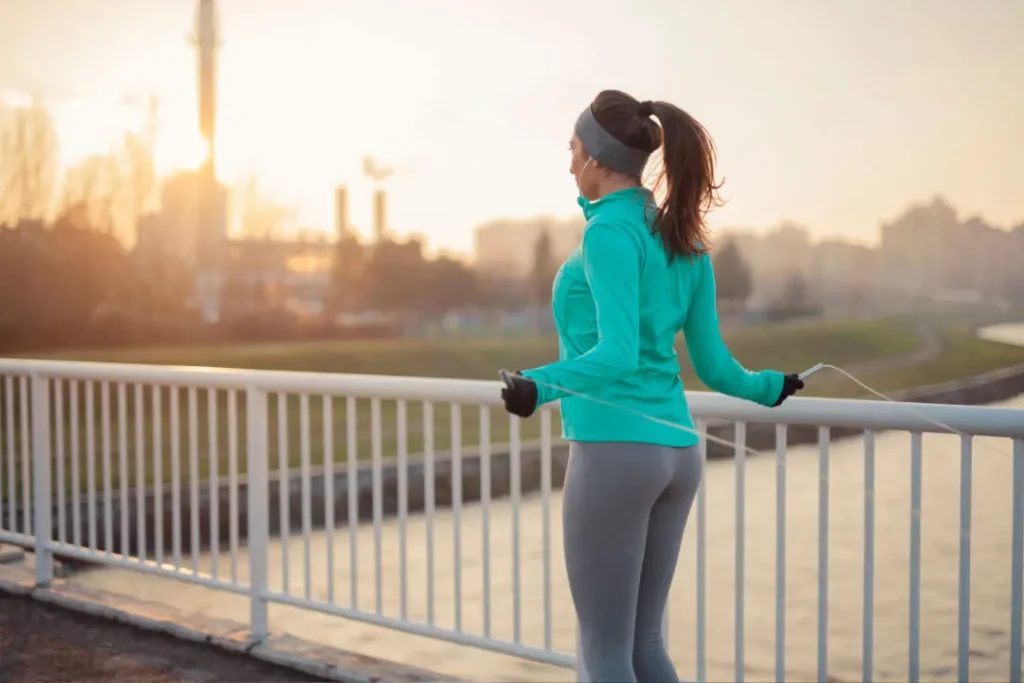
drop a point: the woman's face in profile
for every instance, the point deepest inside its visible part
(577, 163)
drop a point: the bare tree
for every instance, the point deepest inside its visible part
(28, 163)
(137, 162)
(732, 274)
(92, 186)
(544, 269)
(260, 216)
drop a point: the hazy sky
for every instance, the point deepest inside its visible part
(833, 113)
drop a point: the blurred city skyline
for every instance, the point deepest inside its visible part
(835, 115)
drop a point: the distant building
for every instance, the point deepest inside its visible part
(774, 258)
(928, 253)
(175, 231)
(925, 254)
(986, 258)
(293, 274)
(841, 271)
(916, 249)
(288, 274)
(505, 246)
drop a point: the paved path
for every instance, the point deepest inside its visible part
(41, 643)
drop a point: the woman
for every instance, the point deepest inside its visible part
(640, 275)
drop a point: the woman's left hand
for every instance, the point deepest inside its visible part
(519, 394)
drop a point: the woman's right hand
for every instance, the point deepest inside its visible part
(790, 385)
(519, 394)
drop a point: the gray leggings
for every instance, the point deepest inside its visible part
(624, 510)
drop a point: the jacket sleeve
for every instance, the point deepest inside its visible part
(711, 358)
(611, 263)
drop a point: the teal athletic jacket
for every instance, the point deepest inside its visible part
(618, 303)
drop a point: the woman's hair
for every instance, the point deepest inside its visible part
(688, 174)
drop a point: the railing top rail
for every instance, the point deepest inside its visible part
(855, 413)
(368, 386)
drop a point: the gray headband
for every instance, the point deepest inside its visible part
(606, 149)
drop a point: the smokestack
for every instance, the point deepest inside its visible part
(380, 219)
(207, 39)
(341, 212)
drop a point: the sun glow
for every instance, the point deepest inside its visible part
(88, 127)
(178, 149)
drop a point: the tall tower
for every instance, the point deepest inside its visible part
(341, 229)
(380, 214)
(211, 221)
(207, 41)
(378, 174)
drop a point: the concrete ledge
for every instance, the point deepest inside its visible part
(281, 649)
(17, 580)
(337, 665)
(10, 554)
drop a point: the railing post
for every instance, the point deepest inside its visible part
(256, 512)
(41, 493)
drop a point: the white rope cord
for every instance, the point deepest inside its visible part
(727, 442)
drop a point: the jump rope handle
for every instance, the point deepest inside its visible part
(810, 371)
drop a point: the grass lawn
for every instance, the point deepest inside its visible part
(963, 355)
(788, 347)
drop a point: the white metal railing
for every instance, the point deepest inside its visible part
(161, 445)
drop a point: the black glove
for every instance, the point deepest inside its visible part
(519, 394)
(790, 385)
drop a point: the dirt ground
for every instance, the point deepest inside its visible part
(41, 643)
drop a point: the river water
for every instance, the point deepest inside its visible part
(990, 572)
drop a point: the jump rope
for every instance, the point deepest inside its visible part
(507, 379)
